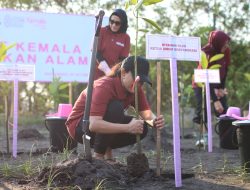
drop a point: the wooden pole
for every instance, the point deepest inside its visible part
(70, 93)
(138, 138)
(158, 132)
(7, 123)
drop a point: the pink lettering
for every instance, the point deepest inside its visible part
(71, 60)
(8, 58)
(31, 47)
(65, 49)
(83, 60)
(49, 60)
(43, 47)
(77, 49)
(20, 58)
(55, 48)
(59, 61)
(32, 58)
(19, 47)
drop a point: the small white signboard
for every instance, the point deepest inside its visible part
(172, 47)
(201, 75)
(9, 72)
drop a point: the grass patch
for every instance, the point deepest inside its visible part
(25, 119)
(30, 119)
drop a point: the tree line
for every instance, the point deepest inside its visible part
(181, 17)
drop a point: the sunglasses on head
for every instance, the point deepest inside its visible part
(117, 23)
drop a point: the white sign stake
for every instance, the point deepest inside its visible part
(208, 76)
(173, 48)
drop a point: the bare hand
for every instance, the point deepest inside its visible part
(159, 122)
(136, 126)
(220, 92)
(218, 107)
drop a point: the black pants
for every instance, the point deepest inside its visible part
(100, 142)
(198, 109)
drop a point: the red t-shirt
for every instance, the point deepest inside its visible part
(105, 89)
(113, 47)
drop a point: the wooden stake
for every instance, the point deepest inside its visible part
(7, 111)
(70, 93)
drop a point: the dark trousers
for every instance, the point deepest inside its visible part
(198, 109)
(100, 142)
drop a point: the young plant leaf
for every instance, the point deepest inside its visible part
(133, 2)
(63, 86)
(143, 30)
(10, 46)
(150, 2)
(216, 57)
(153, 23)
(247, 76)
(204, 61)
(199, 84)
(3, 50)
(126, 5)
(138, 5)
(216, 66)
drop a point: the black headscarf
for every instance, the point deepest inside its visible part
(124, 19)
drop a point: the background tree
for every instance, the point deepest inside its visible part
(181, 17)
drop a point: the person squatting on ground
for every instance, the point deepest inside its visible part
(113, 44)
(109, 127)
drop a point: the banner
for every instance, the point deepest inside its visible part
(56, 43)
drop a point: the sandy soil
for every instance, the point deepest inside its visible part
(220, 169)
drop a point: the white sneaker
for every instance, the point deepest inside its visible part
(200, 143)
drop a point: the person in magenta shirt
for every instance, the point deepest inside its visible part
(109, 127)
(113, 44)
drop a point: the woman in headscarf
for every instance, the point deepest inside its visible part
(114, 43)
(218, 43)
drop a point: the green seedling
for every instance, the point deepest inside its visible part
(205, 62)
(100, 185)
(199, 168)
(6, 170)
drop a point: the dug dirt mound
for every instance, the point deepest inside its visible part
(29, 133)
(88, 175)
(137, 164)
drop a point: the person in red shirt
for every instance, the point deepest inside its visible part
(109, 127)
(113, 44)
(218, 43)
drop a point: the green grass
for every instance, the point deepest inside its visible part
(30, 119)
(24, 119)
